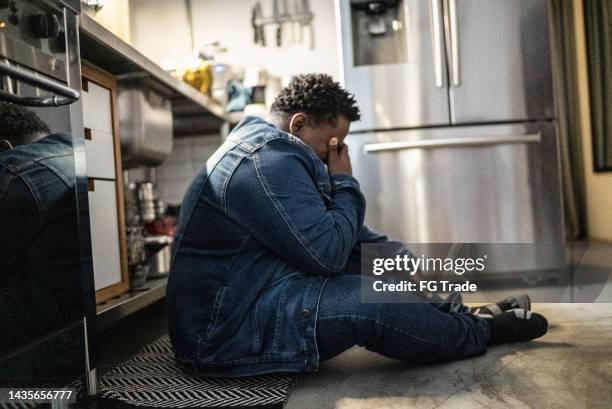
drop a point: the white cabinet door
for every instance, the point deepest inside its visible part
(98, 123)
(100, 154)
(97, 108)
(104, 234)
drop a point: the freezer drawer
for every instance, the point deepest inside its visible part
(499, 60)
(472, 184)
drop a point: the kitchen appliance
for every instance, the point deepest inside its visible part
(138, 266)
(145, 118)
(40, 69)
(137, 257)
(150, 233)
(159, 255)
(146, 201)
(457, 141)
(159, 234)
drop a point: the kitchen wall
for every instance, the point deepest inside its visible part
(598, 186)
(189, 156)
(159, 29)
(115, 17)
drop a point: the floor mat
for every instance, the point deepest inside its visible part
(151, 379)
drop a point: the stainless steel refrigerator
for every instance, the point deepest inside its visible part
(457, 141)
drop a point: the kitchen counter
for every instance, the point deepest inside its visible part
(130, 302)
(105, 50)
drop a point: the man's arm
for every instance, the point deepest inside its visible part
(367, 235)
(274, 197)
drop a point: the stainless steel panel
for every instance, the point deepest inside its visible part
(22, 53)
(408, 94)
(429, 189)
(61, 94)
(21, 40)
(499, 60)
(145, 118)
(53, 348)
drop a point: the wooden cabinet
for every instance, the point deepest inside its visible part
(105, 183)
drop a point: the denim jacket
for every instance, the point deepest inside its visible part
(261, 228)
(39, 254)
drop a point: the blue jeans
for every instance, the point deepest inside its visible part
(416, 331)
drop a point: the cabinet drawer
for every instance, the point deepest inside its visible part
(100, 154)
(97, 108)
(104, 233)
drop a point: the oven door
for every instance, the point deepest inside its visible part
(46, 299)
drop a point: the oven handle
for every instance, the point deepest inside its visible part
(64, 95)
(453, 142)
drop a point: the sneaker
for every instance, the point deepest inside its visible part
(491, 310)
(517, 325)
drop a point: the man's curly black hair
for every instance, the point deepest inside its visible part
(19, 125)
(319, 97)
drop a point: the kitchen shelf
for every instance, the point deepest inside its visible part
(130, 302)
(107, 51)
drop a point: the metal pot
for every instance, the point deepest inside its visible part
(159, 254)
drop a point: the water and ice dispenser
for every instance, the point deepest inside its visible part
(379, 35)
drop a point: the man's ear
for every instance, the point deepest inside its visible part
(297, 123)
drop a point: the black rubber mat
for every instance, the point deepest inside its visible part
(151, 379)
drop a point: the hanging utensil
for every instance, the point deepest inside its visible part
(297, 7)
(307, 23)
(279, 24)
(256, 23)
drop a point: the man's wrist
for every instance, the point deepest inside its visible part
(343, 180)
(340, 174)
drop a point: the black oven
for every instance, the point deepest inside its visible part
(49, 303)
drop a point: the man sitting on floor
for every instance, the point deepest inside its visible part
(260, 280)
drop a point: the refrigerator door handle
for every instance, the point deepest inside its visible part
(453, 142)
(450, 15)
(437, 35)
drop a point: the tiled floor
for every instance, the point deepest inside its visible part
(570, 367)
